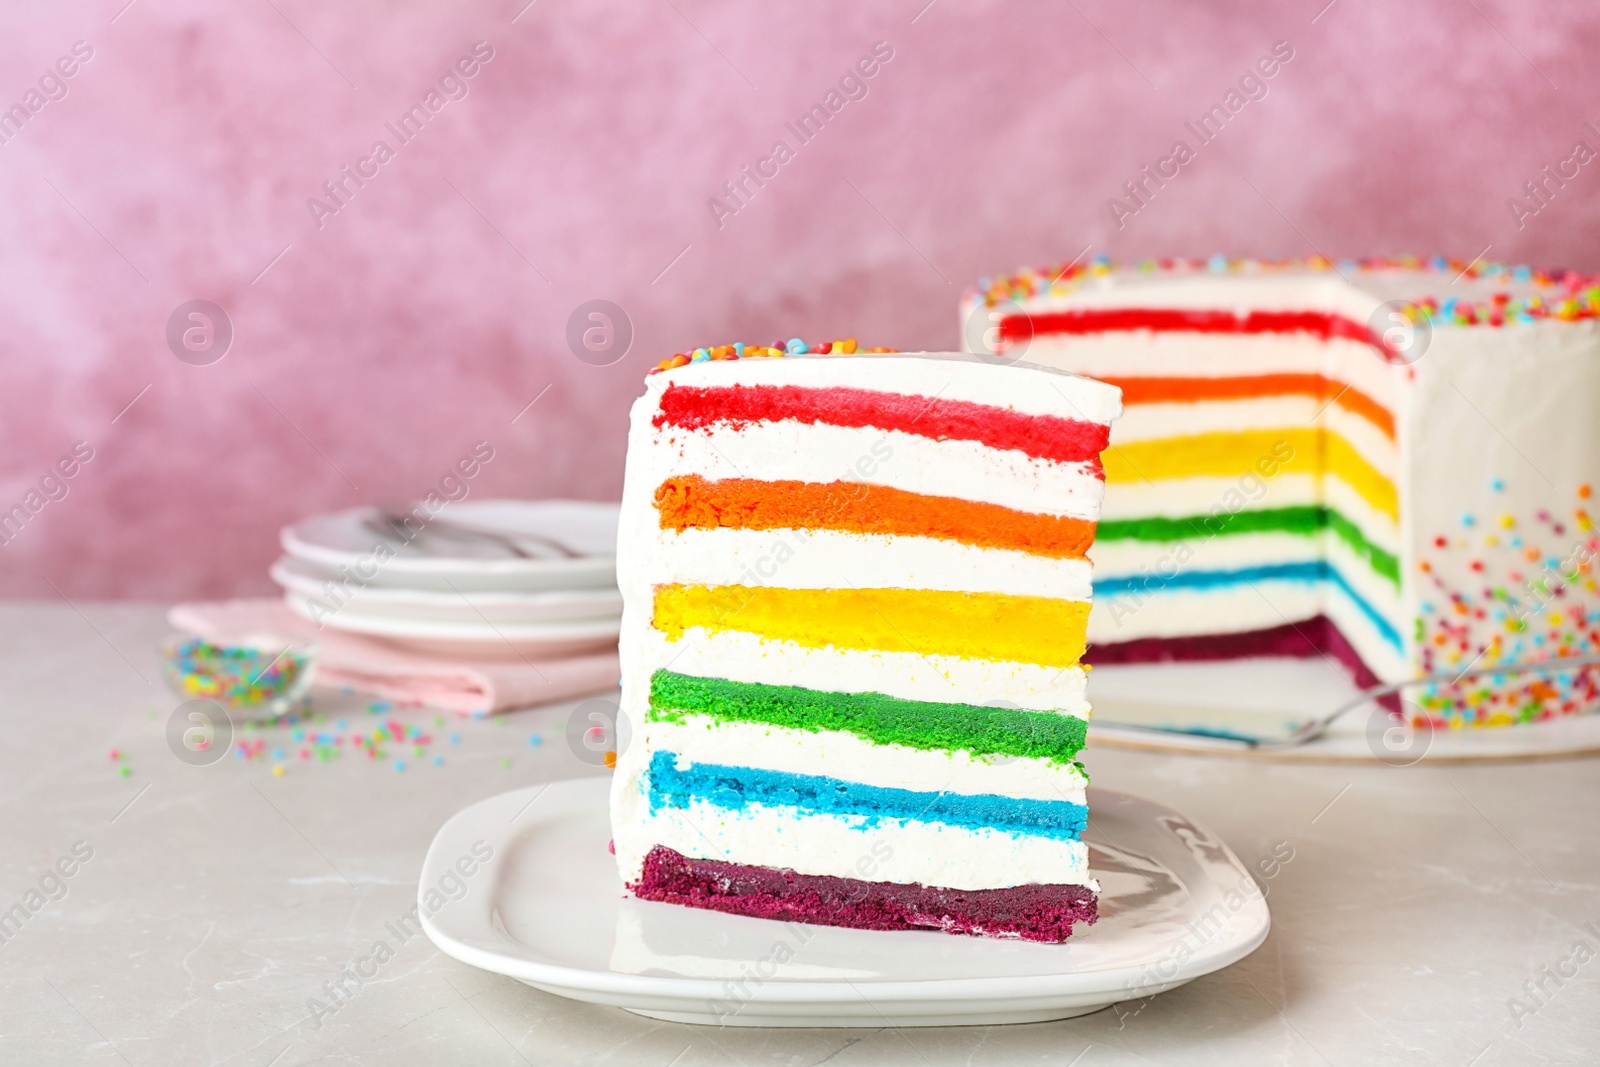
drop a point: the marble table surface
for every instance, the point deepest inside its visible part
(1429, 914)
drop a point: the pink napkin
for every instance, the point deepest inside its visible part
(475, 686)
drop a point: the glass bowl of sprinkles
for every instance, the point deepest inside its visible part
(254, 675)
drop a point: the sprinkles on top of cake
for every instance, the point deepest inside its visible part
(794, 346)
(1571, 297)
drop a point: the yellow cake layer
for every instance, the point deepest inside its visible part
(980, 626)
(1225, 453)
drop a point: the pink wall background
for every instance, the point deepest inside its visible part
(433, 307)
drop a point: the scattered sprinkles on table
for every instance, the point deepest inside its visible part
(794, 346)
(311, 738)
(1538, 600)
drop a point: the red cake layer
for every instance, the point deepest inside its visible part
(1030, 912)
(1314, 637)
(1048, 437)
(1320, 324)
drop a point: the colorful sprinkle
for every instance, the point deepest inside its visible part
(1517, 616)
(1563, 295)
(794, 346)
(237, 676)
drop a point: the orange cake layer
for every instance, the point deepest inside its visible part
(748, 504)
(1251, 387)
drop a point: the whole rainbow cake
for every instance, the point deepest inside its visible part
(1387, 462)
(856, 591)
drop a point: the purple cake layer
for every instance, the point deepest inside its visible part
(1302, 640)
(1031, 912)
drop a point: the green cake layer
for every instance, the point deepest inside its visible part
(885, 720)
(1304, 520)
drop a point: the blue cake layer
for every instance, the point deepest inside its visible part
(1312, 571)
(735, 788)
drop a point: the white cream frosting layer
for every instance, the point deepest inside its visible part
(831, 559)
(1377, 653)
(842, 755)
(1189, 497)
(1146, 354)
(1355, 298)
(791, 450)
(1190, 612)
(925, 853)
(743, 657)
(1154, 422)
(1241, 293)
(1235, 609)
(1346, 291)
(1233, 552)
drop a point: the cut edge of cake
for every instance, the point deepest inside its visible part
(1447, 411)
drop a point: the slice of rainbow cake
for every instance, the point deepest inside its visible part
(856, 591)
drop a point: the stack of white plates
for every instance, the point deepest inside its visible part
(491, 577)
